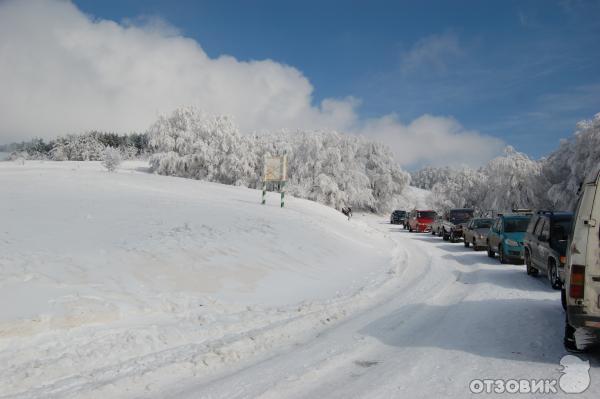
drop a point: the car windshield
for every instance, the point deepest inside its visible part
(426, 214)
(559, 235)
(516, 225)
(399, 213)
(461, 216)
(482, 223)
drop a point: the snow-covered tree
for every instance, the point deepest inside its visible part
(429, 176)
(566, 167)
(324, 166)
(189, 143)
(461, 188)
(111, 158)
(514, 181)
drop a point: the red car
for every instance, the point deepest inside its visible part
(420, 220)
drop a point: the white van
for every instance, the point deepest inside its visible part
(581, 291)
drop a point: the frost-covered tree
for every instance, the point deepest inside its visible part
(429, 176)
(514, 181)
(189, 143)
(461, 188)
(84, 147)
(566, 167)
(111, 158)
(327, 167)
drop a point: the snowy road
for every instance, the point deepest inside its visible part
(455, 316)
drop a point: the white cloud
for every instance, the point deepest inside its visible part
(432, 52)
(63, 72)
(433, 140)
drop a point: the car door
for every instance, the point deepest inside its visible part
(543, 245)
(535, 242)
(468, 233)
(495, 233)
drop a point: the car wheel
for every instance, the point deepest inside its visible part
(490, 253)
(553, 276)
(569, 338)
(531, 271)
(501, 256)
(467, 244)
(563, 298)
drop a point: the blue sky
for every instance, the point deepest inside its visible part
(523, 71)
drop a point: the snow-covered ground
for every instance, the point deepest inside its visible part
(113, 281)
(137, 285)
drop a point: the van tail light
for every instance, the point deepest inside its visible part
(563, 260)
(577, 281)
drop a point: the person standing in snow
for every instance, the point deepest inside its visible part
(346, 210)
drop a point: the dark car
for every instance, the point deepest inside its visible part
(453, 223)
(546, 245)
(398, 217)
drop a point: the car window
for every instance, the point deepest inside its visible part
(516, 225)
(559, 234)
(533, 224)
(426, 214)
(540, 227)
(482, 223)
(546, 229)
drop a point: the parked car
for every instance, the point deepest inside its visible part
(420, 220)
(506, 237)
(581, 292)
(436, 226)
(453, 223)
(398, 217)
(476, 232)
(545, 245)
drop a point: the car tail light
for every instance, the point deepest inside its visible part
(563, 259)
(577, 281)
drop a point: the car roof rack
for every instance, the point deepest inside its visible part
(522, 210)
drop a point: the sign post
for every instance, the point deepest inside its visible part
(275, 171)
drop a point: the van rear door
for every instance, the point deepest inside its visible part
(592, 266)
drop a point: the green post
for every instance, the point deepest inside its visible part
(264, 194)
(282, 193)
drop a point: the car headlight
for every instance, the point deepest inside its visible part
(481, 236)
(512, 243)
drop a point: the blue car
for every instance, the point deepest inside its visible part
(506, 238)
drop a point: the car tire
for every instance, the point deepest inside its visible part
(445, 236)
(501, 256)
(553, 276)
(490, 253)
(467, 243)
(563, 298)
(531, 271)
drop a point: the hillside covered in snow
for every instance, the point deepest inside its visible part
(136, 274)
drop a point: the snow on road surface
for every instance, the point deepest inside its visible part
(137, 285)
(456, 316)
